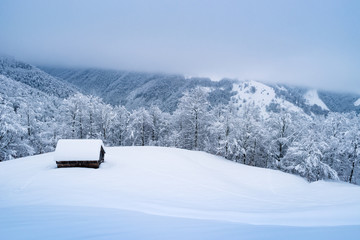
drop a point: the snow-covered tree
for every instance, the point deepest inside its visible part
(192, 119)
(248, 136)
(72, 114)
(12, 134)
(305, 155)
(160, 126)
(140, 127)
(120, 126)
(282, 131)
(221, 130)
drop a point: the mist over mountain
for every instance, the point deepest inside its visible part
(135, 89)
(140, 89)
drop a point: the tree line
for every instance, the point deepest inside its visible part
(315, 147)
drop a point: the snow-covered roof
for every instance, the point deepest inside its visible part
(78, 150)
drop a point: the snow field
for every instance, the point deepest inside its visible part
(180, 183)
(312, 98)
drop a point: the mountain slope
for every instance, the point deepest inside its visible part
(318, 101)
(133, 89)
(263, 96)
(29, 103)
(312, 98)
(18, 93)
(340, 102)
(34, 77)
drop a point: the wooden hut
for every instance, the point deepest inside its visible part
(79, 153)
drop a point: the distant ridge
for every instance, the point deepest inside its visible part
(34, 77)
(135, 89)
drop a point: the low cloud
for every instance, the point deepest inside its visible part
(303, 44)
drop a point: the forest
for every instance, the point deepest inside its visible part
(315, 147)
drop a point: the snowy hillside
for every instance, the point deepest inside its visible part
(357, 103)
(136, 89)
(27, 119)
(19, 93)
(170, 186)
(262, 96)
(312, 98)
(34, 77)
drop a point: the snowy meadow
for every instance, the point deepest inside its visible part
(162, 193)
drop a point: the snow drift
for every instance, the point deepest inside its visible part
(180, 183)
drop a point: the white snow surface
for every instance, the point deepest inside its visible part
(312, 98)
(167, 193)
(78, 150)
(357, 103)
(261, 95)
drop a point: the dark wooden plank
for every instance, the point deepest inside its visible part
(86, 164)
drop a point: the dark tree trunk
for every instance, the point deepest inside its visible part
(196, 130)
(28, 124)
(352, 172)
(143, 134)
(353, 164)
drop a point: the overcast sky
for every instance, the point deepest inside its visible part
(308, 43)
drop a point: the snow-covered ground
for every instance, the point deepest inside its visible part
(357, 103)
(261, 95)
(312, 98)
(165, 193)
